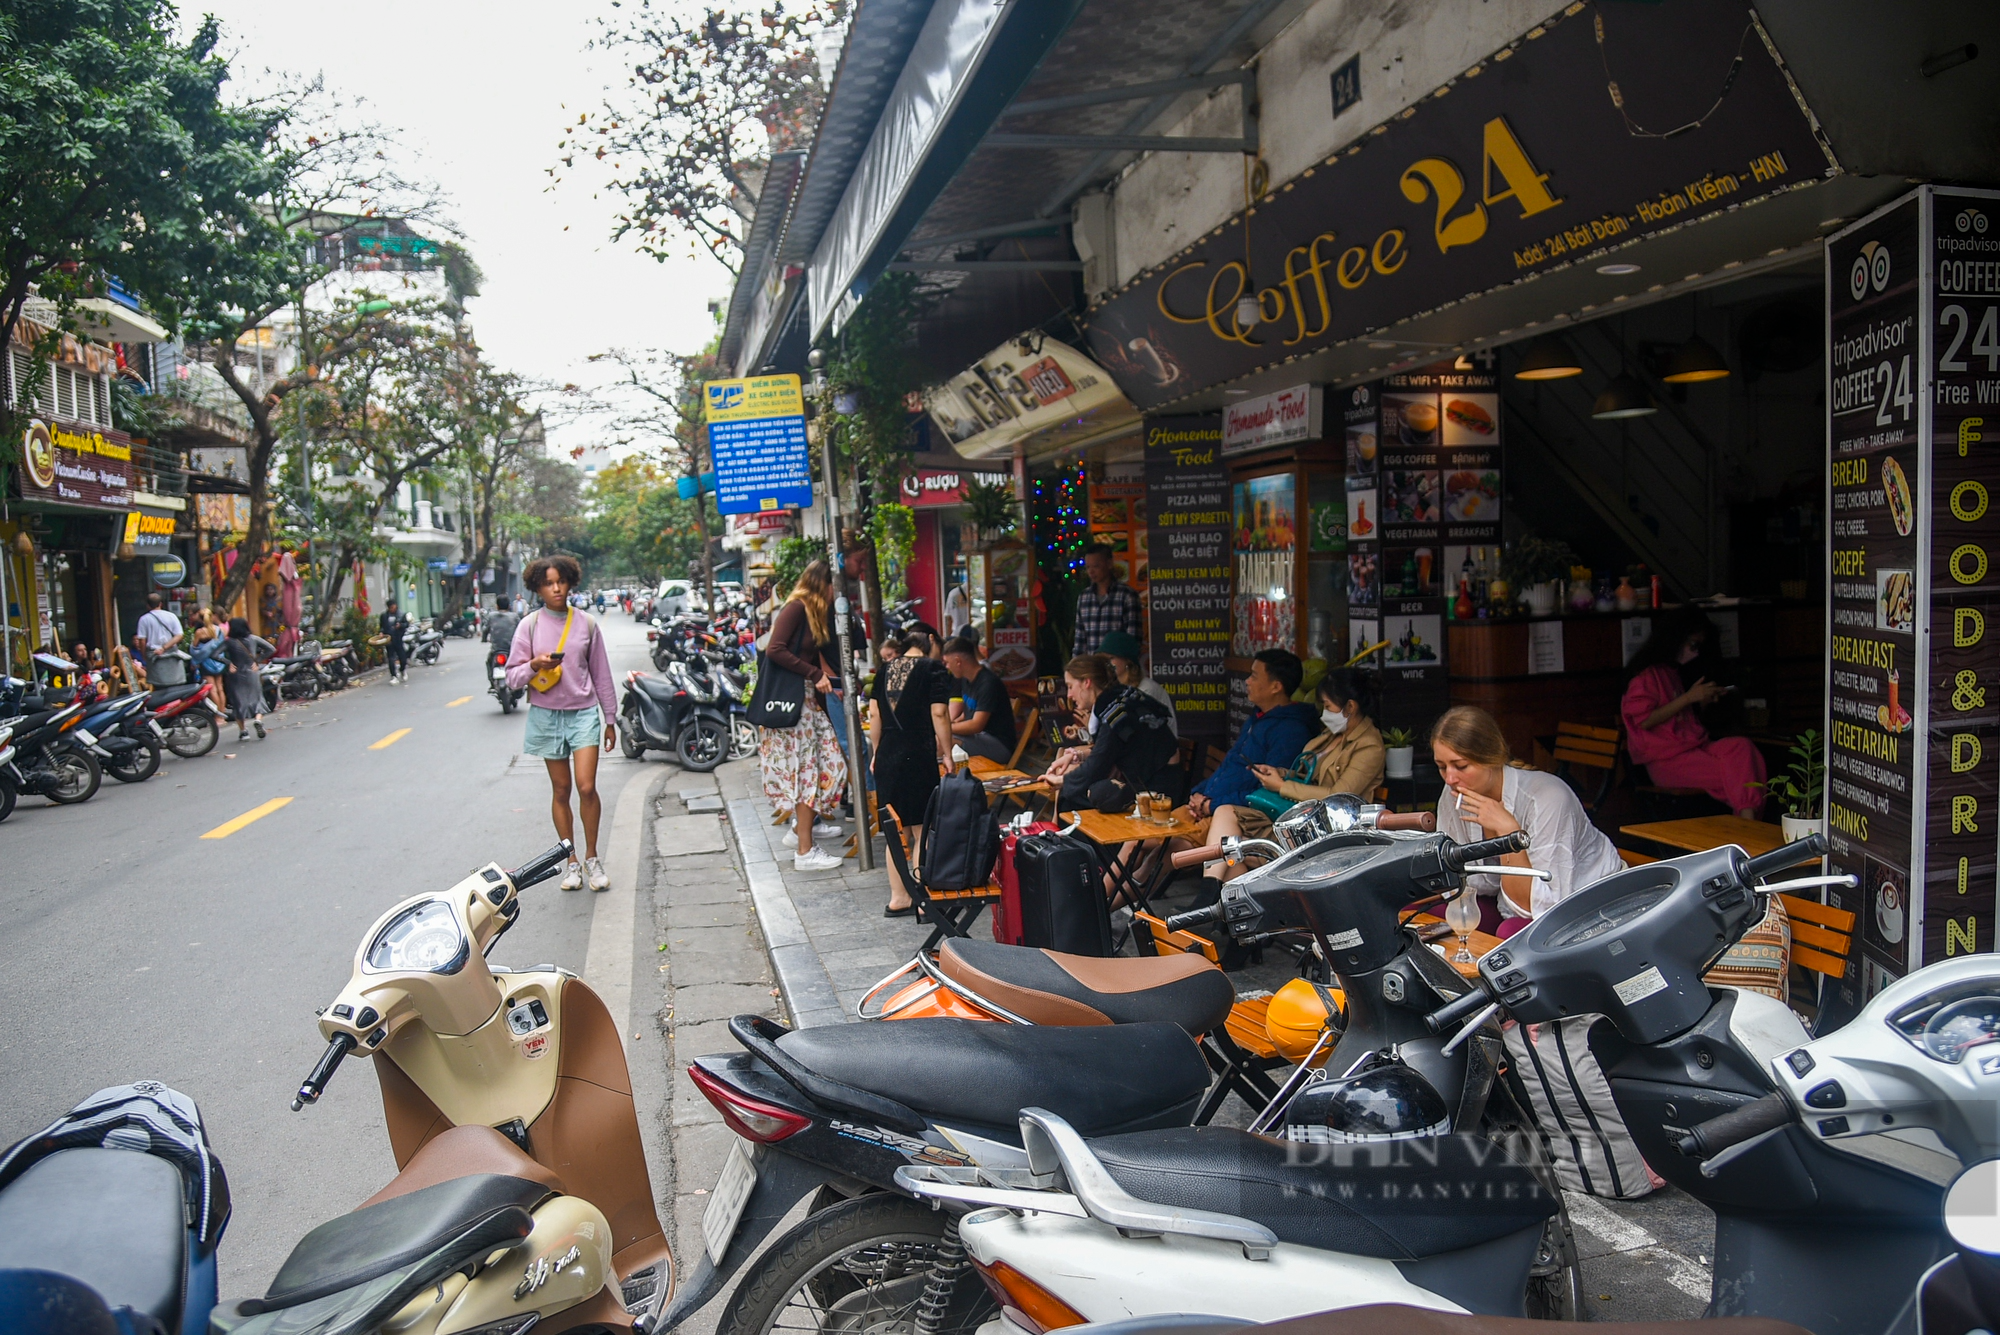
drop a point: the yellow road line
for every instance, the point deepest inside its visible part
(227, 828)
(456, 703)
(389, 741)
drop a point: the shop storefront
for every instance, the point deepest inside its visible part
(72, 495)
(940, 573)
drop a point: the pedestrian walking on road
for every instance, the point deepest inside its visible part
(558, 657)
(397, 626)
(160, 630)
(243, 686)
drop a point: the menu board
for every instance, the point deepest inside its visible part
(1188, 521)
(1963, 746)
(1423, 469)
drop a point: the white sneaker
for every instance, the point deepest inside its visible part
(817, 860)
(594, 869)
(826, 829)
(573, 878)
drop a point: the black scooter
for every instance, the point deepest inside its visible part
(49, 760)
(668, 713)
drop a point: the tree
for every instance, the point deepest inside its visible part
(711, 96)
(495, 433)
(118, 156)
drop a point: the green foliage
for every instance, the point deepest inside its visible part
(1803, 783)
(893, 528)
(355, 627)
(640, 525)
(992, 508)
(1531, 560)
(1394, 737)
(874, 357)
(793, 556)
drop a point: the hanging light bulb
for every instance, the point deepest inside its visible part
(1246, 311)
(1548, 358)
(1695, 361)
(1624, 397)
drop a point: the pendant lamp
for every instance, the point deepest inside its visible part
(1246, 311)
(1548, 358)
(1624, 397)
(1695, 361)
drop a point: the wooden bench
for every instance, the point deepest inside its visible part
(1579, 746)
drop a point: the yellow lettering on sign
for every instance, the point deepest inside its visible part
(1957, 937)
(1964, 874)
(1525, 186)
(1437, 177)
(1968, 501)
(1968, 627)
(1963, 809)
(1968, 434)
(1388, 255)
(1964, 752)
(1968, 563)
(1850, 561)
(1352, 271)
(1316, 270)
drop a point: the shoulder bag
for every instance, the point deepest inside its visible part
(779, 697)
(545, 680)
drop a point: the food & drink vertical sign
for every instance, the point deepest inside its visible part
(1913, 760)
(1188, 521)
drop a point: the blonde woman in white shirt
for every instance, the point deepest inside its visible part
(1487, 795)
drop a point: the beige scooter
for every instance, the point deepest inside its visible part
(517, 1073)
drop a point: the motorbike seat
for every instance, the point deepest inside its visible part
(1047, 987)
(377, 1239)
(1400, 1200)
(1378, 1317)
(659, 688)
(289, 659)
(464, 1151)
(111, 1219)
(1120, 1077)
(166, 695)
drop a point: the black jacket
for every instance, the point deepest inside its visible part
(1134, 742)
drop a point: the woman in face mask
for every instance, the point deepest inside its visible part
(1663, 732)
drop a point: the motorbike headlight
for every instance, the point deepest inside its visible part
(423, 937)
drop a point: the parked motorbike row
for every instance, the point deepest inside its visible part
(1015, 1178)
(694, 704)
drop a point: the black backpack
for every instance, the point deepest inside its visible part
(961, 835)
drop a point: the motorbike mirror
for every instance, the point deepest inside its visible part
(1972, 1208)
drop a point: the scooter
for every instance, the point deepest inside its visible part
(336, 664)
(186, 716)
(119, 1204)
(426, 644)
(127, 744)
(496, 681)
(668, 712)
(7, 794)
(519, 1071)
(52, 755)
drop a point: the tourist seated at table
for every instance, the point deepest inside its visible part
(1662, 731)
(1274, 735)
(1131, 737)
(1488, 793)
(982, 713)
(1122, 648)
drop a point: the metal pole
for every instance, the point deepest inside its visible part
(850, 707)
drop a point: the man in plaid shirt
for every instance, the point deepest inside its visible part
(1105, 606)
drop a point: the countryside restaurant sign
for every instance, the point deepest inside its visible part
(74, 464)
(1524, 164)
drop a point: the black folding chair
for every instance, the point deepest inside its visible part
(950, 912)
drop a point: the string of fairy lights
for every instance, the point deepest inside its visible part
(1062, 512)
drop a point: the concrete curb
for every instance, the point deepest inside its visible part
(610, 951)
(808, 991)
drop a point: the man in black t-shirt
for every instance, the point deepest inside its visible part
(984, 724)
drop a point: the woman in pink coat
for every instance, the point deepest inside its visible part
(1662, 732)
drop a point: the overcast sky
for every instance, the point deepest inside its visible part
(480, 92)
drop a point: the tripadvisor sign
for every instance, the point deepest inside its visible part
(1524, 164)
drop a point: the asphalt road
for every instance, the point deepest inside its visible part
(135, 948)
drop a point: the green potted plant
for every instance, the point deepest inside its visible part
(1801, 788)
(1402, 752)
(1533, 566)
(992, 509)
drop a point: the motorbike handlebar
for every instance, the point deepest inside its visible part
(1457, 857)
(1426, 821)
(1194, 857)
(1733, 1128)
(1806, 849)
(1455, 1010)
(329, 1062)
(543, 867)
(1181, 922)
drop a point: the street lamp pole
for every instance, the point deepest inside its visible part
(850, 702)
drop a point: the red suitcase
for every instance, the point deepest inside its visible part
(1006, 915)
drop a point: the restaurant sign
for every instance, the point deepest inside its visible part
(1913, 726)
(1530, 161)
(928, 488)
(1284, 418)
(75, 464)
(148, 531)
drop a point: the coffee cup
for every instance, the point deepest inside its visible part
(1420, 418)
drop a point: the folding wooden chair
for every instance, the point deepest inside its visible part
(1241, 1053)
(1822, 938)
(1026, 717)
(950, 912)
(1579, 746)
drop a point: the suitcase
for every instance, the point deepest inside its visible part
(1006, 915)
(1062, 896)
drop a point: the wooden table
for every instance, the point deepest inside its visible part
(1110, 832)
(1698, 834)
(986, 771)
(1478, 942)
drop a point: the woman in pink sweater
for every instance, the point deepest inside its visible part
(567, 721)
(1662, 732)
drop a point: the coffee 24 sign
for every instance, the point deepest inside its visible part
(1530, 161)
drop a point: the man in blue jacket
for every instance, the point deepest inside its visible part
(1274, 735)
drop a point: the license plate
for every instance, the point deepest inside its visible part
(725, 1206)
(499, 674)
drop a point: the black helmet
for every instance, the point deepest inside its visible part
(1387, 1101)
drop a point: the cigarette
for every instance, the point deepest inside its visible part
(1458, 800)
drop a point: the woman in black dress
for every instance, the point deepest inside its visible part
(910, 730)
(242, 684)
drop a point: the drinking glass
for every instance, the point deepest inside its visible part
(1462, 916)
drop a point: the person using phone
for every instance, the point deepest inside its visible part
(1663, 730)
(569, 717)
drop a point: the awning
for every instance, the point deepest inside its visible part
(115, 322)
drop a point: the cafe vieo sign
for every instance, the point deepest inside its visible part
(1524, 164)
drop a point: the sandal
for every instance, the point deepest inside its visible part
(907, 911)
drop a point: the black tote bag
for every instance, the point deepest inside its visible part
(779, 696)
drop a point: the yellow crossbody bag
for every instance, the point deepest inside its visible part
(545, 680)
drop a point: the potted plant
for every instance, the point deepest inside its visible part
(1533, 565)
(1402, 751)
(1801, 787)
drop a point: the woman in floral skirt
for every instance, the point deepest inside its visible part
(803, 767)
